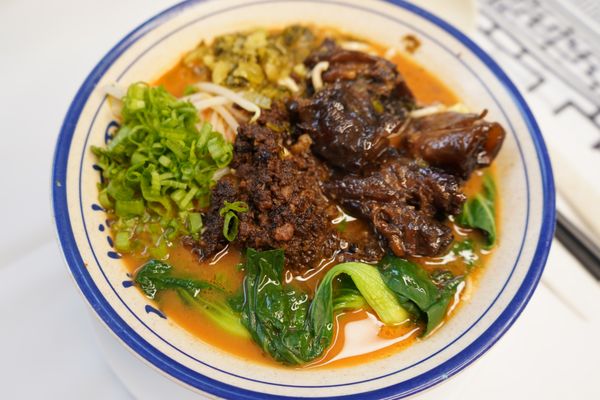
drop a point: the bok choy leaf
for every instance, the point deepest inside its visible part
(275, 315)
(348, 299)
(479, 212)
(156, 276)
(286, 323)
(413, 286)
(280, 319)
(217, 310)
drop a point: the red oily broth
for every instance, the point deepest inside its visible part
(358, 336)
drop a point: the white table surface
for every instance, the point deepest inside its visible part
(47, 345)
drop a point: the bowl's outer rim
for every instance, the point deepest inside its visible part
(166, 365)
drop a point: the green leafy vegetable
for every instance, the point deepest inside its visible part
(413, 285)
(479, 211)
(348, 299)
(448, 285)
(231, 221)
(280, 319)
(156, 276)
(217, 310)
(276, 315)
(283, 320)
(371, 286)
(237, 206)
(158, 169)
(195, 222)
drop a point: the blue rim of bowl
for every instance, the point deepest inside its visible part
(417, 30)
(201, 382)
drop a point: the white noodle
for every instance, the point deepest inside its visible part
(218, 102)
(197, 96)
(400, 130)
(438, 108)
(218, 174)
(227, 117)
(233, 96)
(459, 108)
(229, 120)
(114, 90)
(220, 127)
(210, 102)
(116, 106)
(317, 79)
(425, 111)
(355, 46)
(220, 118)
(214, 119)
(237, 114)
(289, 83)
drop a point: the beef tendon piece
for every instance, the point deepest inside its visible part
(397, 178)
(287, 208)
(364, 99)
(458, 143)
(409, 232)
(382, 75)
(404, 203)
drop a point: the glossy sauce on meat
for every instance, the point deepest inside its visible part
(364, 99)
(375, 340)
(405, 192)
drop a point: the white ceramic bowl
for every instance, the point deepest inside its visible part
(525, 185)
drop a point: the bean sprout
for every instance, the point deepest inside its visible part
(317, 79)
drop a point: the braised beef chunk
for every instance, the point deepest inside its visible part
(458, 143)
(329, 148)
(344, 126)
(404, 203)
(433, 191)
(382, 75)
(409, 232)
(364, 100)
(286, 206)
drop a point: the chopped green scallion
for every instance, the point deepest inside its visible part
(157, 169)
(238, 206)
(122, 242)
(231, 224)
(231, 221)
(128, 208)
(164, 160)
(220, 151)
(195, 220)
